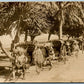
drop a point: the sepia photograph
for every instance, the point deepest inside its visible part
(42, 41)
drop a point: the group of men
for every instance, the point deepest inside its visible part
(39, 54)
(24, 54)
(66, 48)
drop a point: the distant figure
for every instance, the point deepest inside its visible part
(67, 44)
(50, 52)
(30, 49)
(38, 58)
(75, 48)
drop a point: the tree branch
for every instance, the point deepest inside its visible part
(79, 19)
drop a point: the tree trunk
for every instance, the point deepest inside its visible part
(26, 32)
(83, 34)
(60, 35)
(32, 38)
(83, 42)
(61, 25)
(16, 39)
(12, 45)
(49, 36)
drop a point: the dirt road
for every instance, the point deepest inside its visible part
(72, 71)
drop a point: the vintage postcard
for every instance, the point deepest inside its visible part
(42, 41)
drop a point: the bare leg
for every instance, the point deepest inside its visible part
(23, 74)
(37, 68)
(76, 54)
(13, 74)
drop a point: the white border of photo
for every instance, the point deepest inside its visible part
(35, 0)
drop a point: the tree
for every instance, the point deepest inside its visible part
(74, 22)
(63, 16)
(34, 18)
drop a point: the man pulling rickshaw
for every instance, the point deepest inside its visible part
(19, 61)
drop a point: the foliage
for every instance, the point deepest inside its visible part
(42, 17)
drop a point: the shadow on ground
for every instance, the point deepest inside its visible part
(2, 58)
(4, 72)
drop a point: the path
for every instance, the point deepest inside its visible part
(72, 71)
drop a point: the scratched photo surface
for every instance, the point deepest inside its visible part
(42, 41)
